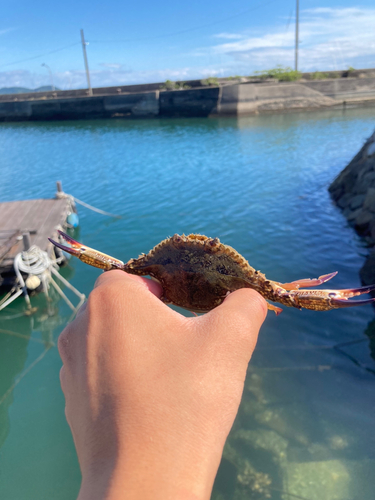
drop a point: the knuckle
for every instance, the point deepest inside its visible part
(101, 280)
(102, 297)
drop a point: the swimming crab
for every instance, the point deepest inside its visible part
(197, 273)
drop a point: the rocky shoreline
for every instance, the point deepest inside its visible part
(353, 191)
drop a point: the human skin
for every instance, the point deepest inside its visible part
(150, 394)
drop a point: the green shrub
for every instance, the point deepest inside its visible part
(280, 73)
(169, 85)
(212, 81)
(317, 75)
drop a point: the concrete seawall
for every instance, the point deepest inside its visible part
(227, 99)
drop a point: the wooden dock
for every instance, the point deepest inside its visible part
(40, 218)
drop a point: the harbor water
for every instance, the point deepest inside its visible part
(305, 428)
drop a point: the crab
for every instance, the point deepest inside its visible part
(197, 273)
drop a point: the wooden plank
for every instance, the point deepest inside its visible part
(47, 229)
(25, 215)
(13, 215)
(9, 213)
(42, 215)
(7, 244)
(31, 214)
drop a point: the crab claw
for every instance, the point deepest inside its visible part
(87, 254)
(339, 303)
(353, 292)
(324, 300)
(73, 249)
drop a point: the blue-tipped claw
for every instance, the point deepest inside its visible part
(352, 292)
(75, 247)
(339, 303)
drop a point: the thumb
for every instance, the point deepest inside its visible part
(236, 322)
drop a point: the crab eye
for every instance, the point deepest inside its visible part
(222, 270)
(214, 242)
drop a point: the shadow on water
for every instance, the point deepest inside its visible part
(17, 330)
(32, 421)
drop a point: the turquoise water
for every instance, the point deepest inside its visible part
(305, 425)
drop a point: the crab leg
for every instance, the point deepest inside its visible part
(295, 285)
(87, 254)
(275, 309)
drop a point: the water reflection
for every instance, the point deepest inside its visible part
(17, 330)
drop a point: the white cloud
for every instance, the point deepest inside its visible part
(229, 36)
(330, 38)
(111, 65)
(107, 77)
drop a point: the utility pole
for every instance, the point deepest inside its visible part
(86, 63)
(297, 26)
(50, 75)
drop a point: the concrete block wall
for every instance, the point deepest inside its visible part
(197, 102)
(127, 105)
(231, 99)
(345, 88)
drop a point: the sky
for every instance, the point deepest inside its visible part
(149, 41)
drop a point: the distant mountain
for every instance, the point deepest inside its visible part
(23, 90)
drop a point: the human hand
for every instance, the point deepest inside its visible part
(150, 394)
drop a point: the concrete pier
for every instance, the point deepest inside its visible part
(152, 100)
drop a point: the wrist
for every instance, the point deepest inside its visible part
(152, 472)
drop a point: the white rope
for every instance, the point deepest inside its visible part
(32, 261)
(35, 262)
(60, 195)
(95, 209)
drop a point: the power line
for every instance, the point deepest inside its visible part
(188, 30)
(41, 55)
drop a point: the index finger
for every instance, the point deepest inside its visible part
(117, 275)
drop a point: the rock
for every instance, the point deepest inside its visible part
(336, 193)
(335, 479)
(367, 272)
(344, 200)
(359, 187)
(351, 216)
(372, 232)
(353, 190)
(369, 177)
(357, 201)
(369, 202)
(363, 220)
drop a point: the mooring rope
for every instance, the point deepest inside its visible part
(61, 194)
(95, 209)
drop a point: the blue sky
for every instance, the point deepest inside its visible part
(153, 41)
